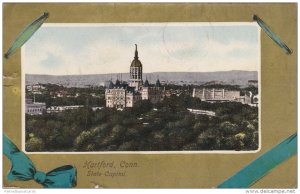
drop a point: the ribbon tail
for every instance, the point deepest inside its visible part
(25, 35)
(9, 147)
(22, 167)
(62, 177)
(262, 165)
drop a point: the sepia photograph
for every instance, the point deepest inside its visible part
(142, 87)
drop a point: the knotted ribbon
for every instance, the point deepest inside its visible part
(23, 169)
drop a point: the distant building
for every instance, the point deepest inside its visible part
(215, 95)
(251, 99)
(222, 95)
(123, 94)
(63, 108)
(202, 112)
(253, 83)
(97, 108)
(34, 108)
(35, 88)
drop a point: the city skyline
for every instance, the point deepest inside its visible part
(104, 49)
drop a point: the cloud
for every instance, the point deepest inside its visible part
(47, 57)
(156, 52)
(221, 48)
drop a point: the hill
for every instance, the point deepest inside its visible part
(226, 77)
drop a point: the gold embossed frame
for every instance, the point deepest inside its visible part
(197, 170)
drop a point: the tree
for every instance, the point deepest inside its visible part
(128, 146)
(158, 140)
(142, 106)
(82, 142)
(228, 128)
(34, 144)
(209, 140)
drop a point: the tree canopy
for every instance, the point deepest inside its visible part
(166, 126)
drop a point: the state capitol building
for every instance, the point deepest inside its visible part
(123, 94)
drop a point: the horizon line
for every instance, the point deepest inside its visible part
(143, 72)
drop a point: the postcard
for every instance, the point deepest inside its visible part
(95, 100)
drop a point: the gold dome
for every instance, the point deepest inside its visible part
(136, 62)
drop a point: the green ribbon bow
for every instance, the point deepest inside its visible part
(23, 169)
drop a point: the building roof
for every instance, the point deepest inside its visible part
(118, 83)
(136, 62)
(111, 84)
(157, 83)
(146, 84)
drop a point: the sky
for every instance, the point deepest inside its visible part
(76, 49)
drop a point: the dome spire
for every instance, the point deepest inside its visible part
(136, 54)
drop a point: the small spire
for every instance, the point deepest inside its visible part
(158, 84)
(146, 84)
(136, 54)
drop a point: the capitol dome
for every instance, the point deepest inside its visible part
(136, 62)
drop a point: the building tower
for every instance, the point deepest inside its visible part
(136, 71)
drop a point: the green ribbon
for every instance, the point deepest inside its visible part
(262, 165)
(272, 35)
(26, 34)
(23, 169)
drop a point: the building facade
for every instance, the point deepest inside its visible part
(34, 108)
(223, 95)
(52, 109)
(123, 94)
(215, 95)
